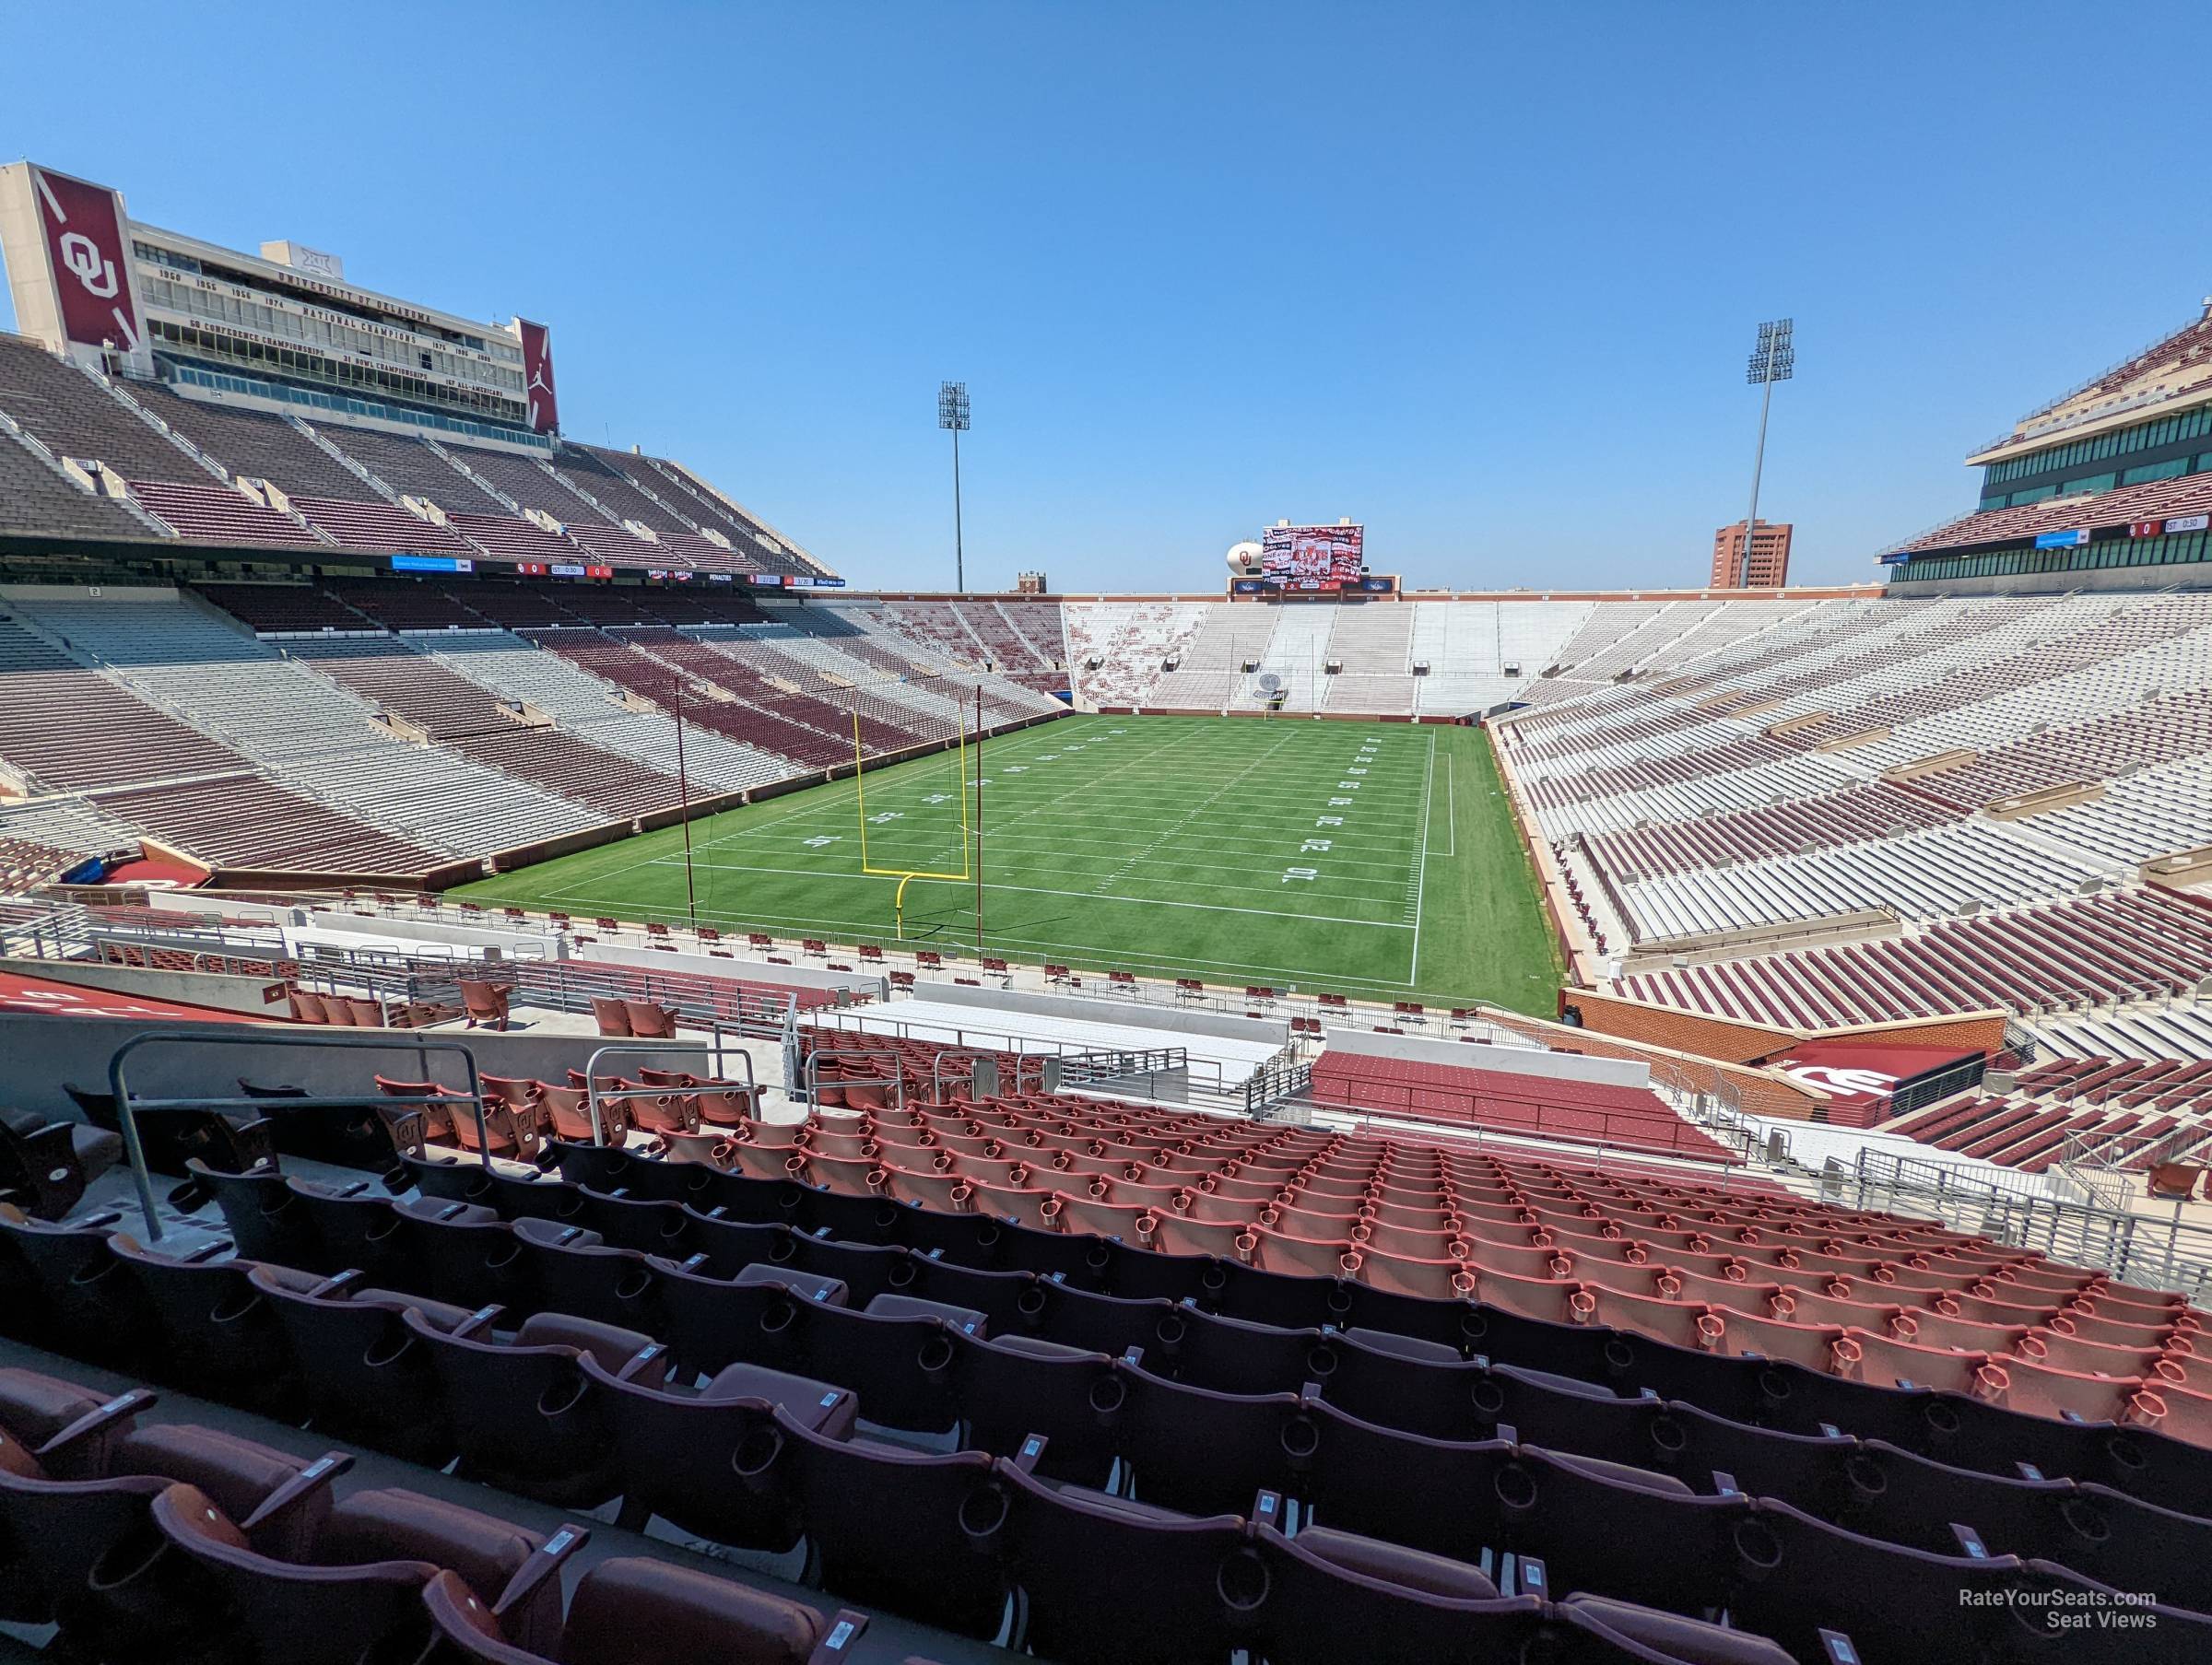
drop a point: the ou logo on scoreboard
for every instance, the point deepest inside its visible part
(81, 255)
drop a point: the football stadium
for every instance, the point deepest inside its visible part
(583, 1085)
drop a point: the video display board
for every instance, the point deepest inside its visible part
(1313, 557)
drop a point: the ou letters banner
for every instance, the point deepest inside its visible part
(537, 376)
(89, 245)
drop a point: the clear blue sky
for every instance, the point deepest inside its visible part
(1484, 277)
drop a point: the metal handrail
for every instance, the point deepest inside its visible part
(593, 1096)
(810, 1073)
(2168, 1253)
(937, 1069)
(127, 1113)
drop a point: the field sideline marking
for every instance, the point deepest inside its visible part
(1420, 873)
(834, 927)
(1035, 869)
(1080, 896)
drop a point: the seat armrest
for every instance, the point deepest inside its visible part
(98, 1419)
(483, 1319)
(344, 1282)
(310, 1480)
(837, 1641)
(653, 1358)
(51, 1143)
(545, 1562)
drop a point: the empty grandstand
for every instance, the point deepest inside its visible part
(1535, 1125)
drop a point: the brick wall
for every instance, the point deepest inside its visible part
(1983, 1031)
(1677, 1031)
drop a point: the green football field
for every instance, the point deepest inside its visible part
(1370, 858)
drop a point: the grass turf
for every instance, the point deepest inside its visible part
(1370, 859)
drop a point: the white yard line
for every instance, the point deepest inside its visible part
(1420, 873)
(1188, 815)
(1075, 806)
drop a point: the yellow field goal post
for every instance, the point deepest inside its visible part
(906, 876)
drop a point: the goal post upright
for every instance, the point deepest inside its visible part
(979, 820)
(970, 856)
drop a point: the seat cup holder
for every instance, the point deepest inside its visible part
(1515, 1488)
(1757, 1549)
(127, 1562)
(2126, 1453)
(2085, 1519)
(1243, 1583)
(1864, 1474)
(756, 1455)
(983, 1515)
(389, 1351)
(230, 1313)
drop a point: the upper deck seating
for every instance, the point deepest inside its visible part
(75, 416)
(33, 497)
(2057, 957)
(284, 609)
(410, 467)
(243, 821)
(69, 727)
(464, 717)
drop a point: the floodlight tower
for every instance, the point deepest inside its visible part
(1774, 360)
(952, 415)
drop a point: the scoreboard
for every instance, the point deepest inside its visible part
(1313, 557)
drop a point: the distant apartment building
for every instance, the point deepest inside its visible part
(1769, 557)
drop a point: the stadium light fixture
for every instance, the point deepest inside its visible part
(952, 415)
(1774, 360)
